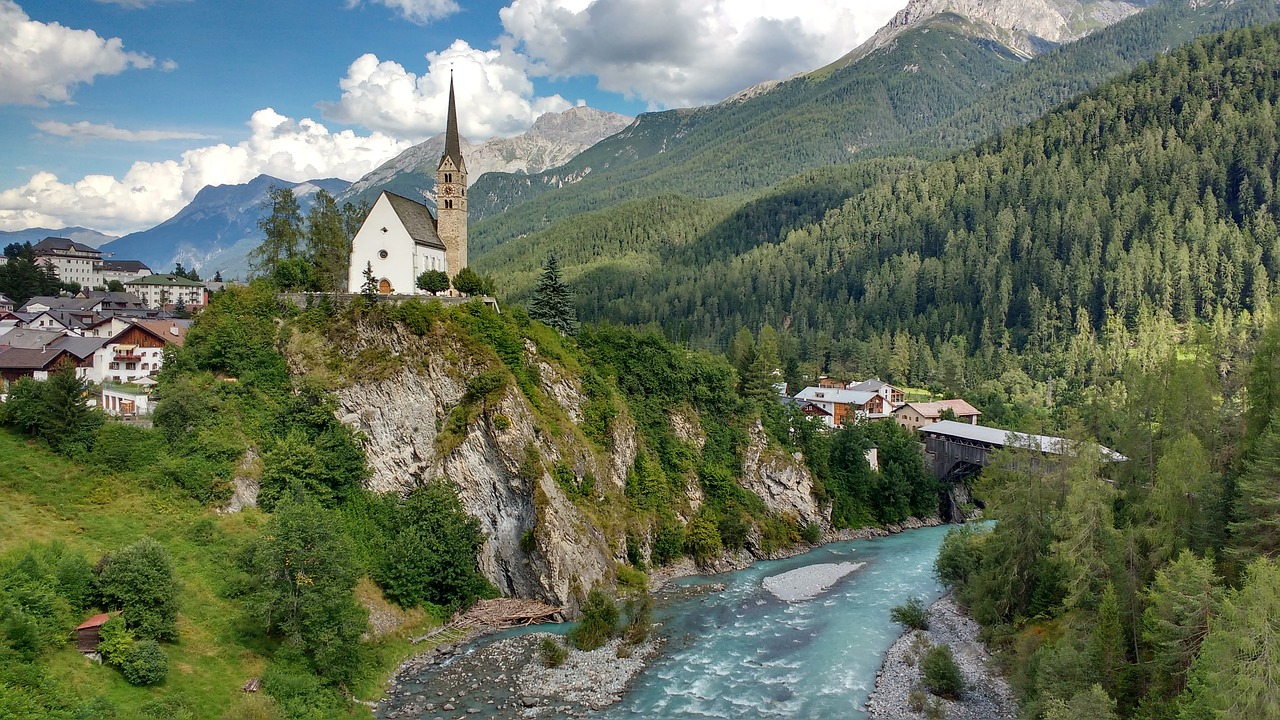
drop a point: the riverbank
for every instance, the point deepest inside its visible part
(987, 695)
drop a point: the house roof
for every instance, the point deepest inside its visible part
(95, 621)
(107, 297)
(30, 359)
(872, 385)
(934, 409)
(61, 244)
(417, 220)
(1007, 438)
(170, 331)
(81, 347)
(30, 339)
(835, 395)
(167, 279)
(124, 266)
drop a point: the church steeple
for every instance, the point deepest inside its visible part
(451, 193)
(452, 143)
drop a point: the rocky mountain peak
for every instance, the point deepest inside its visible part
(1026, 26)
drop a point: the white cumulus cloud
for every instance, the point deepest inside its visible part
(417, 11)
(674, 53)
(495, 95)
(151, 192)
(85, 130)
(41, 62)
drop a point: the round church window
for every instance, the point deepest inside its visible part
(382, 254)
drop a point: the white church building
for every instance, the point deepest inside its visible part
(400, 239)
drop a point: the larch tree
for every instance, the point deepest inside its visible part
(1256, 530)
(552, 301)
(282, 228)
(1180, 602)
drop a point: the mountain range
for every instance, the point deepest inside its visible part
(92, 238)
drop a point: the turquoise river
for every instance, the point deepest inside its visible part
(741, 652)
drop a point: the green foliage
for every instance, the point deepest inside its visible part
(433, 281)
(1234, 676)
(960, 556)
(702, 538)
(639, 619)
(911, 614)
(941, 674)
(668, 540)
(140, 581)
(144, 663)
(22, 278)
(116, 641)
(302, 574)
(552, 652)
(552, 301)
(54, 410)
(1093, 703)
(431, 556)
(1256, 530)
(468, 282)
(599, 621)
(1180, 602)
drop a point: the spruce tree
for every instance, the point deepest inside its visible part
(552, 301)
(370, 287)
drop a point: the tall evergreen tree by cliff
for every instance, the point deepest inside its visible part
(283, 231)
(552, 301)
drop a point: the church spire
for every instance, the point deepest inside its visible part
(452, 143)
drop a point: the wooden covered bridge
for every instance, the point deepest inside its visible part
(958, 450)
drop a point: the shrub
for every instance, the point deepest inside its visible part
(702, 539)
(599, 621)
(639, 619)
(812, 533)
(140, 581)
(631, 577)
(668, 541)
(145, 664)
(960, 555)
(115, 641)
(553, 653)
(941, 674)
(916, 699)
(913, 614)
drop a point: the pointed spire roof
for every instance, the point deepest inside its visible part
(452, 143)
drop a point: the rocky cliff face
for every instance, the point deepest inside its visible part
(540, 544)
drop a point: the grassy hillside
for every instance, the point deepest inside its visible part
(49, 502)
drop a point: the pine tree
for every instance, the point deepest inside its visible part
(1180, 601)
(552, 301)
(370, 287)
(1257, 529)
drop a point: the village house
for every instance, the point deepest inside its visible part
(137, 351)
(164, 292)
(836, 405)
(79, 263)
(38, 364)
(914, 416)
(892, 395)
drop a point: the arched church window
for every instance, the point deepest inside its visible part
(448, 177)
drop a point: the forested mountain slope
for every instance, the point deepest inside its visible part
(942, 84)
(810, 121)
(1157, 192)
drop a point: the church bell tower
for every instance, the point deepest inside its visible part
(451, 194)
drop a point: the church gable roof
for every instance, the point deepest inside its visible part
(417, 220)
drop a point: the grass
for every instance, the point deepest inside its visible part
(46, 498)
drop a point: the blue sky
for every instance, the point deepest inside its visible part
(114, 113)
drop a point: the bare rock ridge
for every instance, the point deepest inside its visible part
(1026, 26)
(552, 141)
(539, 544)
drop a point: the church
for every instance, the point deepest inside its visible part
(400, 239)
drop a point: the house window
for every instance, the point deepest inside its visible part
(448, 177)
(131, 366)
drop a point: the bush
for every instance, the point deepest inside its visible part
(599, 621)
(812, 533)
(702, 540)
(960, 556)
(145, 664)
(941, 674)
(668, 541)
(140, 581)
(553, 653)
(913, 614)
(115, 641)
(639, 620)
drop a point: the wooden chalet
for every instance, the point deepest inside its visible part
(17, 363)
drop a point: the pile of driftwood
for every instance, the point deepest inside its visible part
(499, 614)
(502, 613)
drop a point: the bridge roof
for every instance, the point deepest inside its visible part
(1002, 438)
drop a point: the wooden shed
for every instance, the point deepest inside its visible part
(89, 633)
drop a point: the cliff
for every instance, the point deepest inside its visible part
(551, 502)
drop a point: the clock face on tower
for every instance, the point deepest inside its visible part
(448, 189)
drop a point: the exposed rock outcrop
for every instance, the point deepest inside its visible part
(780, 479)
